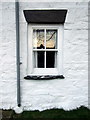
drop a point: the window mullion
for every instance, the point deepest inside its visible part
(36, 54)
(45, 38)
(45, 49)
(36, 60)
(45, 59)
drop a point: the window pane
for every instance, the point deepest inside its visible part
(50, 59)
(39, 59)
(51, 39)
(38, 38)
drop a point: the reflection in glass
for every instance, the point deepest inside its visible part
(39, 59)
(38, 38)
(51, 39)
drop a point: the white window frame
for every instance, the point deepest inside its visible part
(45, 71)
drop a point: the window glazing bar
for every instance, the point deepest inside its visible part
(45, 50)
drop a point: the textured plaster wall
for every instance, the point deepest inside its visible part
(68, 93)
(8, 59)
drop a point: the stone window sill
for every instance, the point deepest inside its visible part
(46, 77)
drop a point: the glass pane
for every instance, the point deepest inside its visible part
(38, 39)
(50, 59)
(51, 39)
(39, 59)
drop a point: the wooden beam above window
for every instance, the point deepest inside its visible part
(45, 16)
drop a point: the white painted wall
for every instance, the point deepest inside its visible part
(8, 59)
(68, 93)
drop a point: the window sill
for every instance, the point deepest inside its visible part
(46, 77)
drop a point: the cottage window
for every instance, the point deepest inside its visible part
(45, 49)
(45, 43)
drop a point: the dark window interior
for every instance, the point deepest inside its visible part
(40, 58)
(50, 59)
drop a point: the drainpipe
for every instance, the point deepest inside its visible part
(18, 52)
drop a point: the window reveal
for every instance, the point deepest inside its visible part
(45, 48)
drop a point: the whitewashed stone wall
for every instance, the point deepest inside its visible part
(68, 93)
(8, 60)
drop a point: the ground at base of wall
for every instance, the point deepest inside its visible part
(81, 113)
